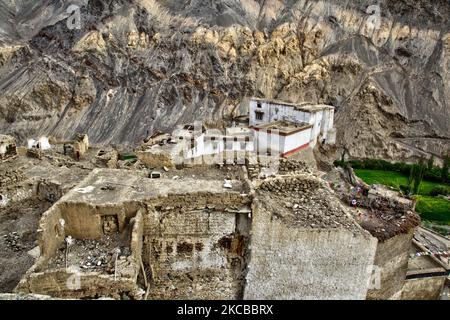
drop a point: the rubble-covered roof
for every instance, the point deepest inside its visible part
(385, 225)
(384, 214)
(304, 201)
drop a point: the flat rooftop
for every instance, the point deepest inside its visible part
(239, 131)
(305, 106)
(112, 187)
(284, 127)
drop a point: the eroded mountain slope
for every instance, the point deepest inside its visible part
(140, 65)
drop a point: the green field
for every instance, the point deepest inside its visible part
(395, 179)
(433, 209)
(430, 208)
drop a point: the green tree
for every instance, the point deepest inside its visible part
(445, 167)
(412, 172)
(418, 175)
(430, 164)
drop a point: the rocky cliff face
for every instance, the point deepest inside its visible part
(135, 66)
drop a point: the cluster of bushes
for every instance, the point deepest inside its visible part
(432, 173)
(439, 191)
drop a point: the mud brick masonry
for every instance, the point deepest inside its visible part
(195, 239)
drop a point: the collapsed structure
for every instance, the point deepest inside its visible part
(233, 233)
(391, 219)
(120, 233)
(8, 147)
(192, 237)
(305, 244)
(77, 147)
(428, 271)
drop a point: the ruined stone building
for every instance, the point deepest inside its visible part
(305, 245)
(190, 235)
(121, 234)
(36, 148)
(7, 147)
(230, 232)
(80, 145)
(190, 238)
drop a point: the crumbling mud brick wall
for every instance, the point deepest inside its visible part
(81, 145)
(156, 158)
(193, 235)
(196, 246)
(49, 190)
(107, 158)
(91, 222)
(63, 283)
(82, 221)
(305, 245)
(391, 260)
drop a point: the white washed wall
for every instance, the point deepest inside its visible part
(265, 141)
(275, 112)
(296, 140)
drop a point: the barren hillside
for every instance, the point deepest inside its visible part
(135, 66)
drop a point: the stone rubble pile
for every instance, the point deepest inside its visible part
(384, 217)
(12, 240)
(9, 177)
(315, 210)
(287, 165)
(91, 255)
(294, 183)
(304, 201)
(254, 170)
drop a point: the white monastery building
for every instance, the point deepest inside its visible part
(213, 142)
(286, 128)
(274, 128)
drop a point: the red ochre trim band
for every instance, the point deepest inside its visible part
(290, 153)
